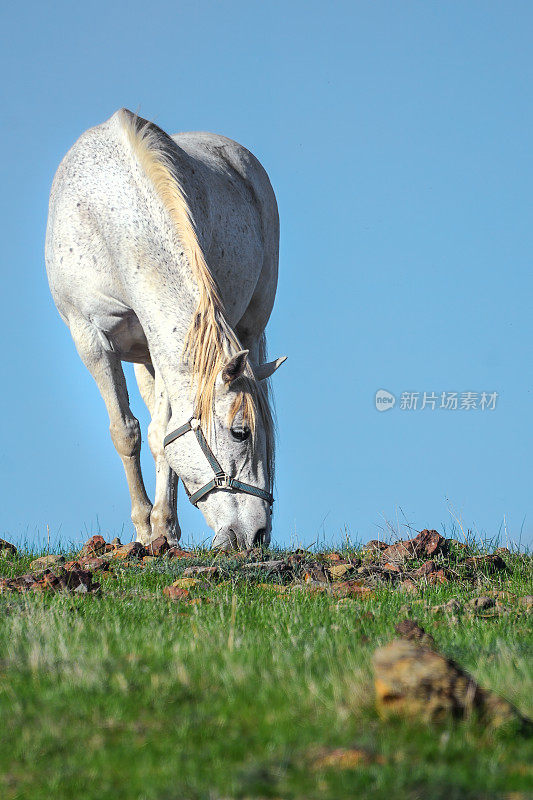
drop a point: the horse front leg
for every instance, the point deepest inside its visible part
(106, 369)
(163, 519)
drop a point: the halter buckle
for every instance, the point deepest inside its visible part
(223, 481)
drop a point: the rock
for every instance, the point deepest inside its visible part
(6, 548)
(344, 758)
(424, 570)
(206, 572)
(526, 601)
(61, 580)
(188, 583)
(417, 682)
(409, 586)
(158, 546)
(315, 573)
(93, 547)
(44, 562)
(116, 542)
(435, 578)
(374, 546)
(130, 552)
(174, 592)
(410, 629)
(93, 564)
(480, 603)
(397, 553)
(271, 566)
(452, 607)
(457, 544)
(332, 558)
(390, 567)
(428, 543)
(351, 589)
(490, 563)
(338, 570)
(176, 552)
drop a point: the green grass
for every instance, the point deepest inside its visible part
(128, 695)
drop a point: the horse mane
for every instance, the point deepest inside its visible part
(210, 340)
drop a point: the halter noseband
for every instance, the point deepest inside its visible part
(220, 480)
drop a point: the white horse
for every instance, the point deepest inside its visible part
(135, 218)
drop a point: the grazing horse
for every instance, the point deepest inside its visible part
(163, 251)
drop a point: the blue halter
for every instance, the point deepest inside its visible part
(220, 479)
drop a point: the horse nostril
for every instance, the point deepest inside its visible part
(259, 537)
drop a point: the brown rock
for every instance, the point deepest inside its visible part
(6, 548)
(351, 589)
(428, 543)
(490, 563)
(437, 577)
(417, 682)
(391, 567)
(176, 592)
(130, 552)
(397, 553)
(93, 547)
(424, 570)
(410, 629)
(176, 552)
(158, 546)
(205, 572)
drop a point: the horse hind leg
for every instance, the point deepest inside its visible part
(106, 369)
(163, 519)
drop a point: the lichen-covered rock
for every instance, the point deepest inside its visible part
(418, 682)
(6, 548)
(45, 562)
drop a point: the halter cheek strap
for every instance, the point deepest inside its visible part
(220, 479)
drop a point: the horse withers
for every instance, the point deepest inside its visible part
(163, 251)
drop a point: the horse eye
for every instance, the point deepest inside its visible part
(240, 434)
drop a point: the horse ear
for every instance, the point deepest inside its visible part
(266, 370)
(235, 366)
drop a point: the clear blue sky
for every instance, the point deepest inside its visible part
(397, 136)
